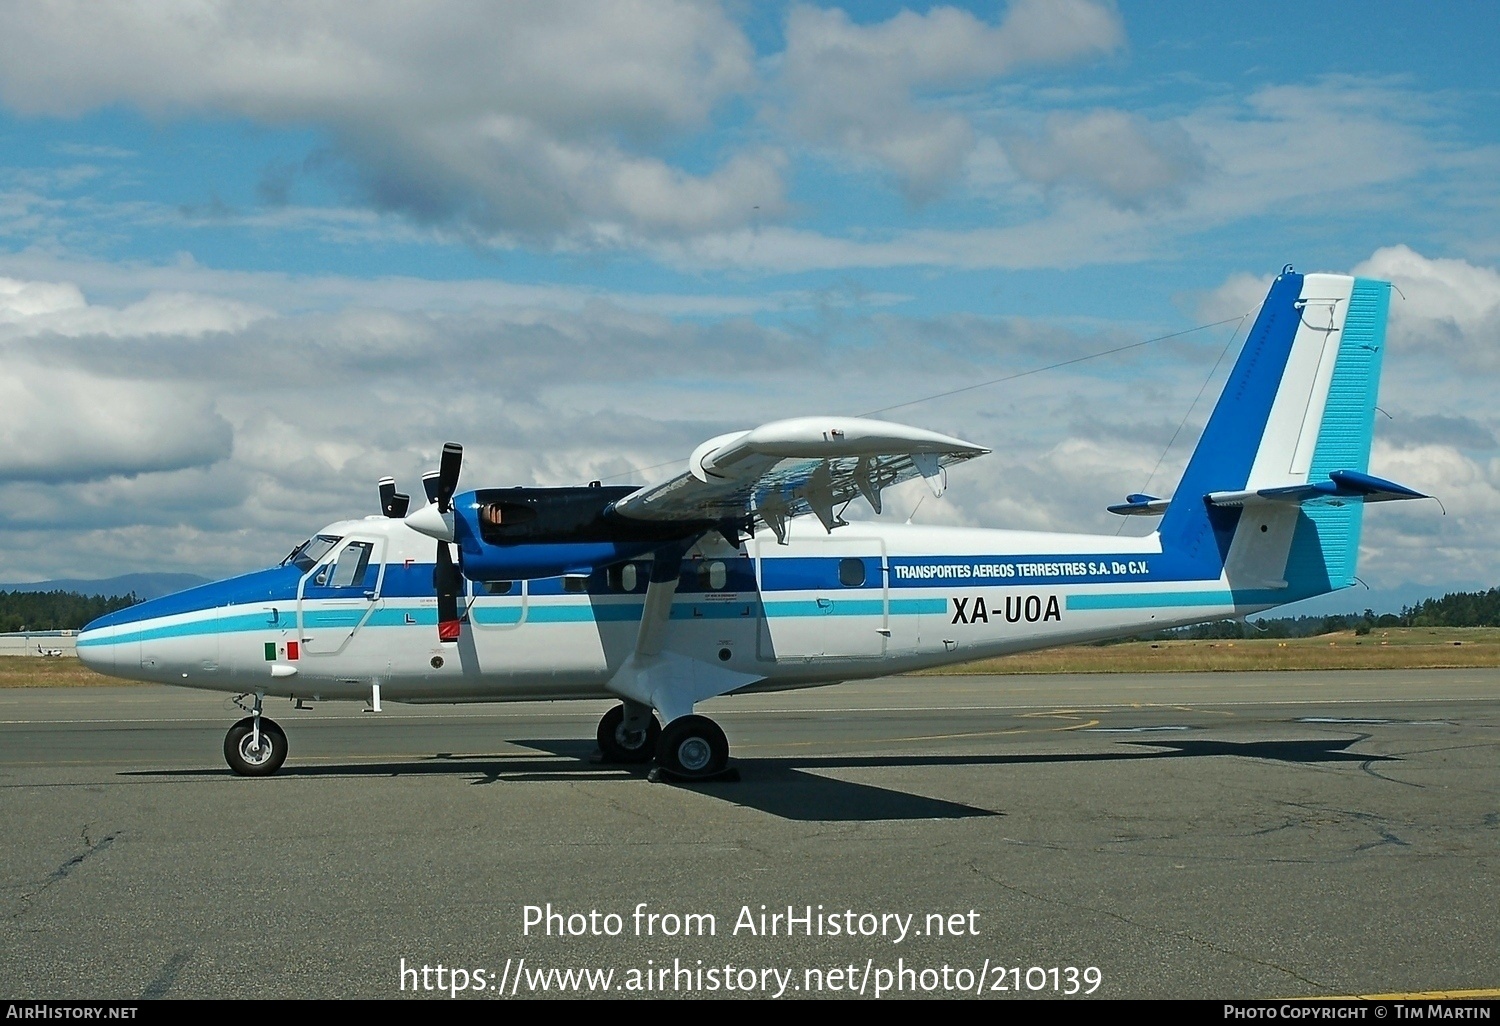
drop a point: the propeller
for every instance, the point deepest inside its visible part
(436, 521)
(436, 518)
(393, 504)
(448, 582)
(447, 482)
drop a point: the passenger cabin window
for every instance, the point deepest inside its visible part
(713, 576)
(624, 577)
(499, 587)
(852, 573)
(575, 584)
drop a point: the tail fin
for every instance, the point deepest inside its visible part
(1274, 493)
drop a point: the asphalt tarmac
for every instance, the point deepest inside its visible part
(1195, 836)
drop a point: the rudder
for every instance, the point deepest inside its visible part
(1289, 440)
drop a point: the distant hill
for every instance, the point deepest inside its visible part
(144, 586)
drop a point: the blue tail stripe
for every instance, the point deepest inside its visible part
(1226, 452)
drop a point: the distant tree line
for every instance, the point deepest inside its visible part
(55, 610)
(1456, 609)
(1459, 609)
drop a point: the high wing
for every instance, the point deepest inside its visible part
(789, 468)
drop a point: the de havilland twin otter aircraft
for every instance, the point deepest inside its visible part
(718, 581)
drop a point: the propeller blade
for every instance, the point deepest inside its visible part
(447, 581)
(393, 503)
(430, 485)
(448, 467)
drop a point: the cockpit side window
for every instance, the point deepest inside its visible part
(306, 555)
(353, 563)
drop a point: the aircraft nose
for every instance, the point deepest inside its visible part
(96, 649)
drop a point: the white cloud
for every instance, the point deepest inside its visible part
(24, 300)
(856, 88)
(1312, 156)
(1239, 293)
(1445, 307)
(60, 424)
(1122, 156)
(502, 120)
(1467, 487)
(29, 309)
(62, 420)
(254, 292)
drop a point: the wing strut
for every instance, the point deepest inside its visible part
(654, 676)
(818, 492)
(866, 484)
(666, 572)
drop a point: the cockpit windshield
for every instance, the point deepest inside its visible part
(306, 555)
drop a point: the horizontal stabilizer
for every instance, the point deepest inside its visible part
(1341, 484)
(1140, 505)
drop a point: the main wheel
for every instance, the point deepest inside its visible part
(620, 744)
(245, 757)
(693, 747)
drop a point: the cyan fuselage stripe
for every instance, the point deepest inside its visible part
(1176, 599)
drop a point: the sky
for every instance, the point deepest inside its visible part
(254, 256)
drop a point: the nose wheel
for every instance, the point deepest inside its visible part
(255, 749)
(693, 748)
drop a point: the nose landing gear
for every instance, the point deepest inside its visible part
(256, 745)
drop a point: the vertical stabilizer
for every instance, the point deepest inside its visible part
(1299, 405)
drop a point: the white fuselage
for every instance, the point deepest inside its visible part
(866, 600)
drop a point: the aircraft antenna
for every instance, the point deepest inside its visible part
(1048, 367)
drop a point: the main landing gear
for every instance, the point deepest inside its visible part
(688, 748)
(693, 747)
(255, 746)
(628, 738)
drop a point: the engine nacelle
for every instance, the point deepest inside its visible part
(510, 534)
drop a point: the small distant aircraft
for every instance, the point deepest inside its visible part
(739, 574)
(50, 652)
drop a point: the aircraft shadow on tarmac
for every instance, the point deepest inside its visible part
(796, 788)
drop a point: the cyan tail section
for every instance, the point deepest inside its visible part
(1273, 495)
(1325, 547)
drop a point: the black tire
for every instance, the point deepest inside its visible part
(244, 759)
(693, 747)
(616, 745)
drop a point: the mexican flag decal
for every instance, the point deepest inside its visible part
(287, 652)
